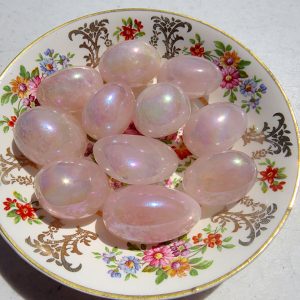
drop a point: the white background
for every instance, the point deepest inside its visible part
(271, 29)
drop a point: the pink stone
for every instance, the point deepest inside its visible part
(71, 189)
(135, 159)
(150, 213)
(69, 89)
(108, 112)
(214, 128)
(161, 110)
(44, 135)
(195, 75)
(132, 62)
(222, 179)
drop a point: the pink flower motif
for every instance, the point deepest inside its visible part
(158, 256)
(33, 85)
(230, 78)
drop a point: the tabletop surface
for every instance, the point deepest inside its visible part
(271, 29)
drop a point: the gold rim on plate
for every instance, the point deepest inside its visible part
(197, 288)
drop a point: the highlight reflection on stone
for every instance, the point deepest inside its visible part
(150, 213)
(135, 159)
(71, 189)
(161, 110)
(222, 179)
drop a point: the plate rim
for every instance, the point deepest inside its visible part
(201, 287)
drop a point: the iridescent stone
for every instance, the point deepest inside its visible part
(135, 159)
(45, 135)
(69, 89)
(132, 62)
(71, 189)
(108, 112)
(222, 179)
(150, 213)
(195, 75)
(214, 128)
(161, 110)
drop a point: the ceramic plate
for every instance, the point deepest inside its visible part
(83, 255)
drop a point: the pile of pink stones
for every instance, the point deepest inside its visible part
(75, 103)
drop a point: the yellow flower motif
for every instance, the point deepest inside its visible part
(19, 86)
(230, 59)
(178, 266)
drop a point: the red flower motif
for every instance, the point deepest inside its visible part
(138, 25)
(213, 239)
(25, 211)
(278, 186)
(230, 78)
(269, 174)
(128, 32)
(11, 122)
(181, 151)
(197, 50)
(196, 238)
(8, 203)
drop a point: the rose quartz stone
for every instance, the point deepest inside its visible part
(69, 89)
(133, 62)
(44, 135)
(195, 75)
(161, 109)
(222, 179)
(214, 128)
(108, 112)
(71, 189)
(135, 159)
(150, 213)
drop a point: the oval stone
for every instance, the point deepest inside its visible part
(150, 213)
(161, 109)
(195, 75)
(221, 179)
(109, 111)
(45, 135)
(71, 189)
(135, 159)
(69, 89)
(133, 62)
(214, 128)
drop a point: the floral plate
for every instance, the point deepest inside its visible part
(84, 255)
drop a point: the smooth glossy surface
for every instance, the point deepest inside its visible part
(71, 189)
(222, 179)
(133, 62)
(161, 110)
(44, 135)
(214, 128)
(109, 111)
(195, 75)
(135, 159)
(150, 213)
(69, 89)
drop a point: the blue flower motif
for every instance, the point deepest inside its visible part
(108, 257)
(49, 52)
(64, 61)
(48, 66)
(263, 88)
(254, 102)
(248, 87)
(129, 264)
(114, 274)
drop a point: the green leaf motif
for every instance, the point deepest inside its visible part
(5, 98)
(193, 272)
(219, 52)
(204, 265)
(5, 129)
(219, 45)
(14, 99)
(22, 71)
(127, 277)
(219, 248)
(129, 21)
(228, 239)
(149, 269)
(226, 93)
(264, 187)
(244, 63)
(17, 219)
(37, 221)
(18, 196)
(12, 213)
(228, 48)
(197, 36)
(141, 33)
(243, 74)
(124, 22)
(35, 72)
(232, 97)
(7, 88)
(192, 41)
(281, 176)
(228, 246)
(162, 276)
(195, 260)
(195, 248)
(203, 249)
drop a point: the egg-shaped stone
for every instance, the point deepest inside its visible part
(150, 213)
(161, 109)
(69, 89)
(71, 189)
(109, 111)
(222, 179)
(44, 135)
(195, 75)
(214, 128)
(135, 159)
(133, 62)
